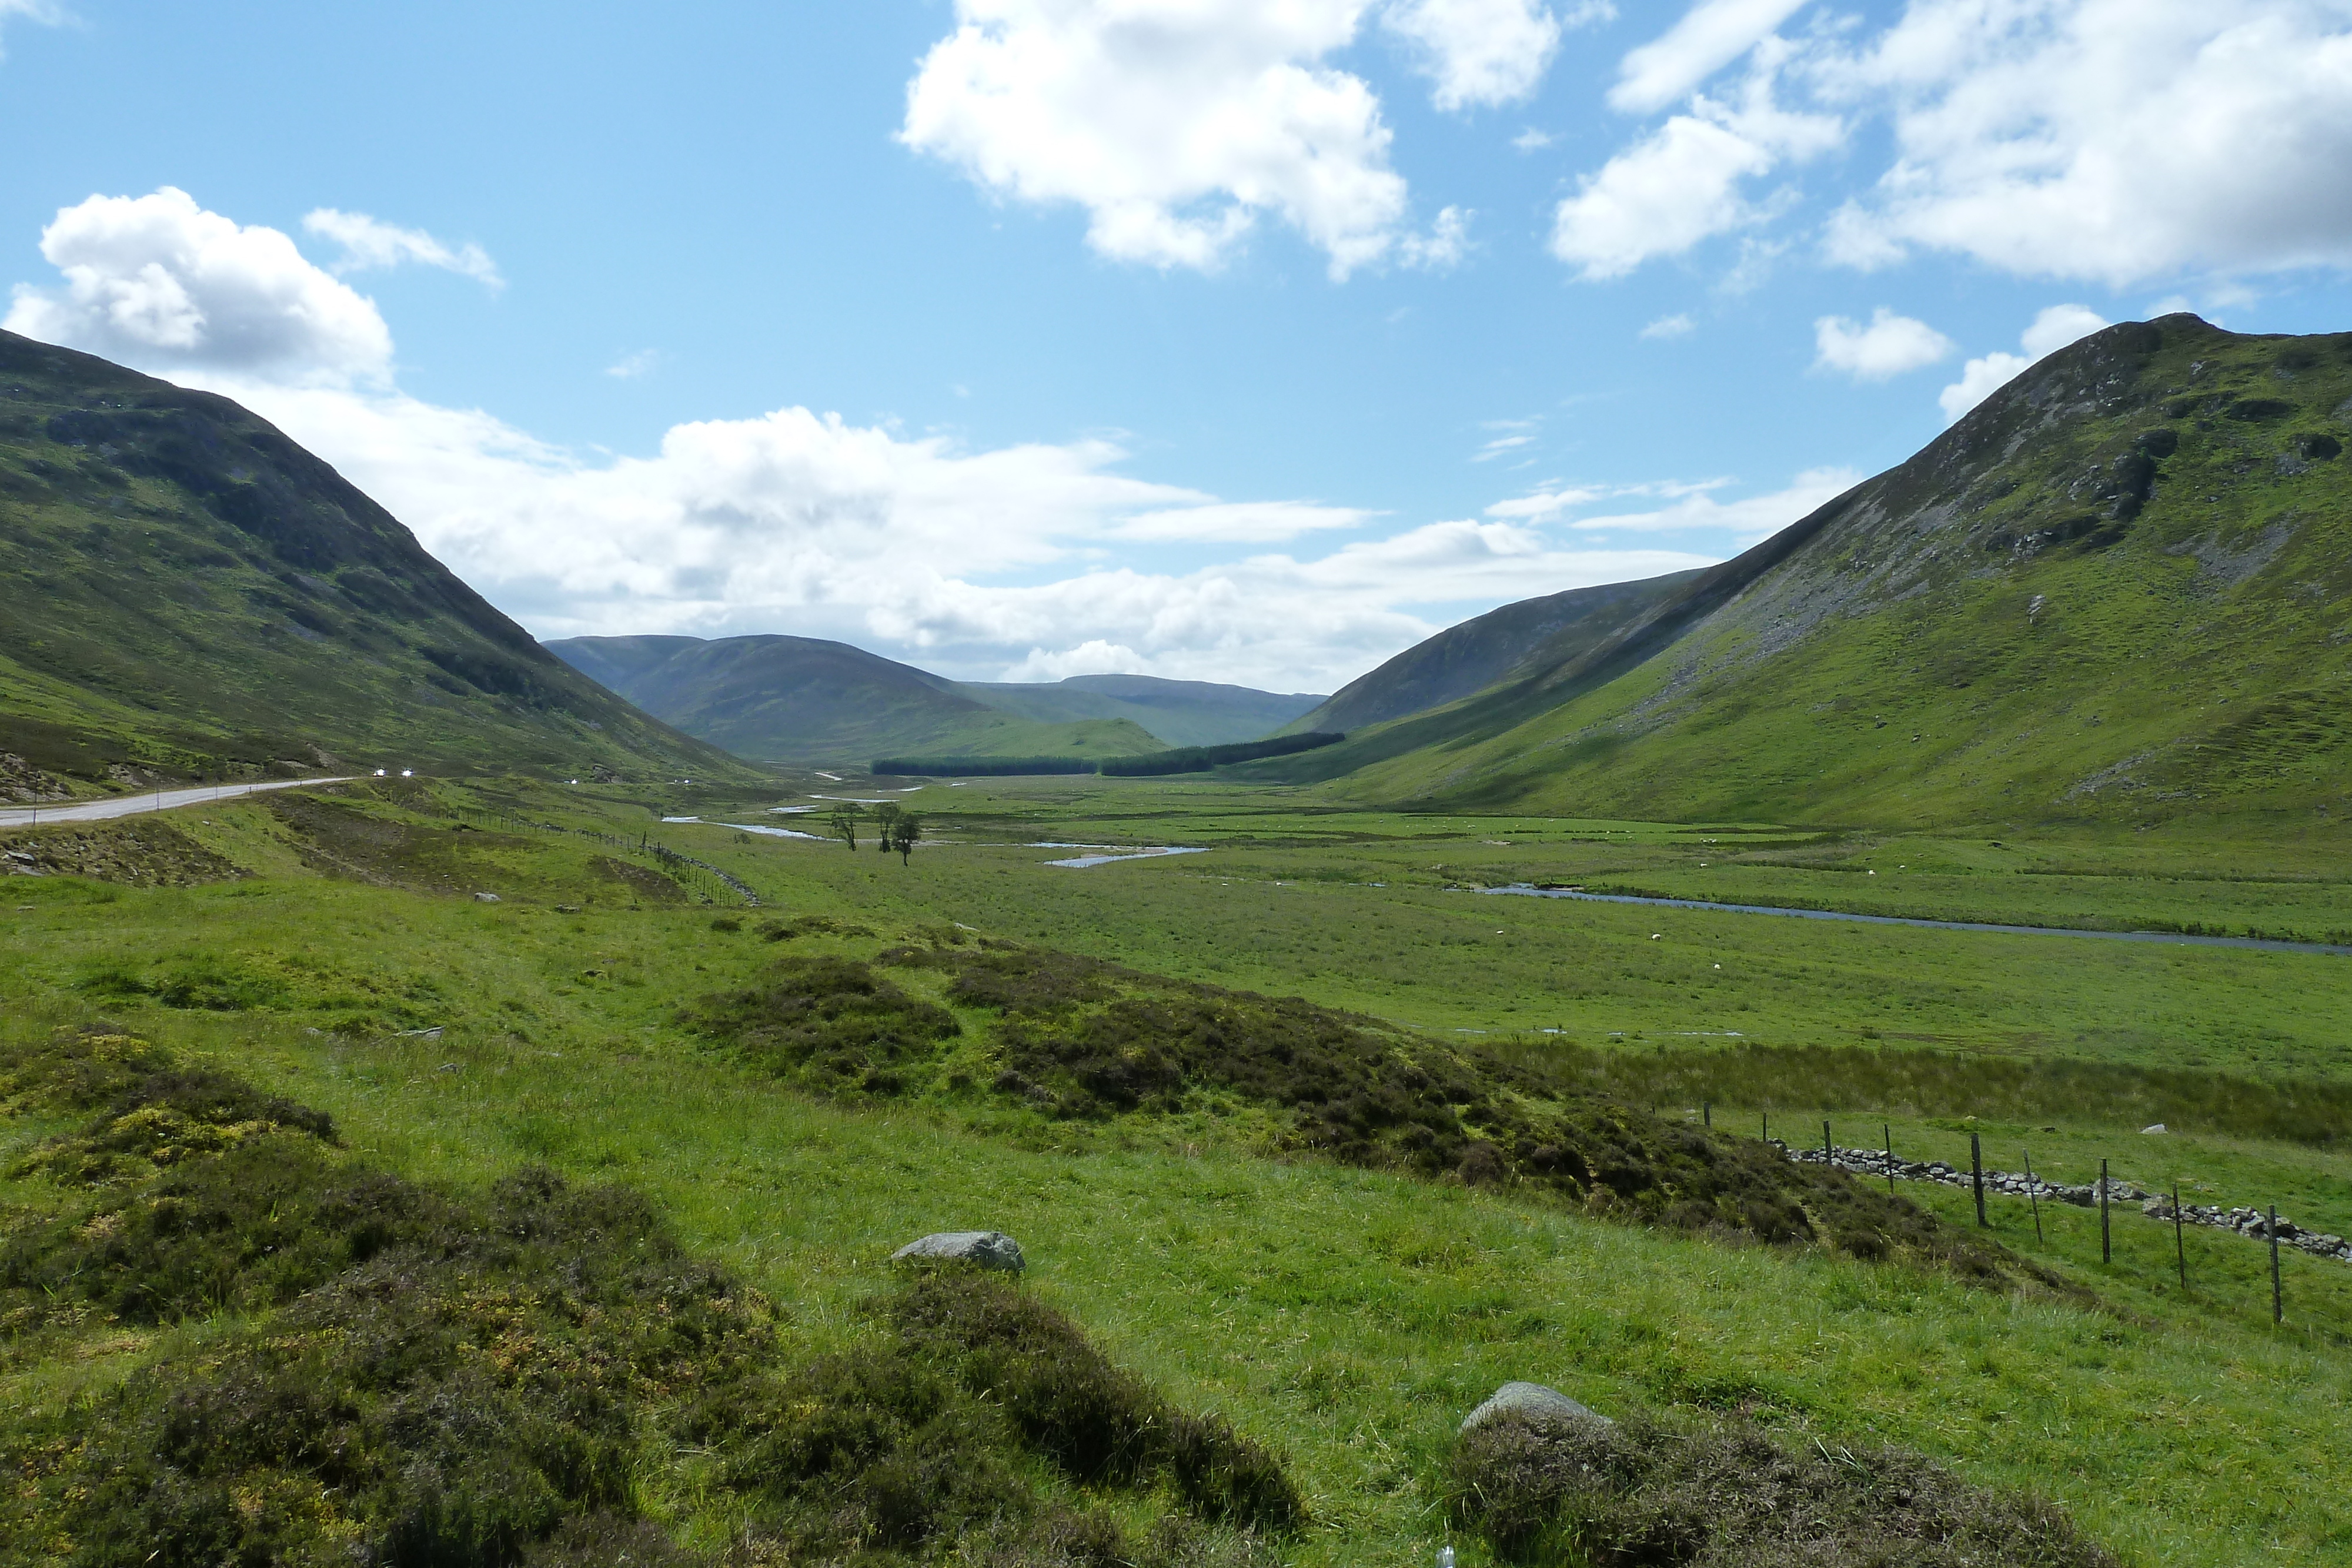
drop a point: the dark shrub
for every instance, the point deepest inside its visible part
(1724, 1495)
(74, 1070)
(811, 926)
(830, 1025)
(1097, 1421)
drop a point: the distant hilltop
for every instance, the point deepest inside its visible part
(805, 699)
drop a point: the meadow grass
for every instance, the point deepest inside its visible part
(1349, 1317)
(1374, 927)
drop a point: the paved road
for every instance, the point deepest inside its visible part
(153, 801)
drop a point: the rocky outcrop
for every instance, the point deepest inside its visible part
(135, 853)
(22, 784)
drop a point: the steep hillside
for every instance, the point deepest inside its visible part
(2119, 587)
(803, 699)
(1182, 713)
(189, 593)
(1532, 634)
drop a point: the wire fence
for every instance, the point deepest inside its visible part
(2258, 1225)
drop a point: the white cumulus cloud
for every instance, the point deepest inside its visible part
(367, 244)
(1479, 51)
(1238, 522)
(1710, 36)
(1668, 328)
(1746, 521)
(1093, 658)
(2120, 141)
(971, 560)
(1445, 246)
(2050, 331)
(1176, 124)
(158, 281)
(1682, 183)
(2109, 139)
(1889, 346)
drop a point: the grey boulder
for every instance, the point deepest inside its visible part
(988, 1248)
(1544, 1407)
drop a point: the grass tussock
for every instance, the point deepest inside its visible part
(422, 1377)
(1080, 1039)
(1725, 1495)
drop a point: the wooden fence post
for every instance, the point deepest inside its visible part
(2106, 1238)
(1829, 1150)
(2278, 1297)
(2031, 1195)
(1976, 1170)
(1887, 1130)
(2179, 1246)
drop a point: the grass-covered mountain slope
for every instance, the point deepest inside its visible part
(2117, 588)
(1534, 634)
(188, 592)
(1180, 713)
(805, 699)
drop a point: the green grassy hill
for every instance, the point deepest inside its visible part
(1534, 634)
(805, 699)
(1179, 713)
(2118, 589)
(189, 593)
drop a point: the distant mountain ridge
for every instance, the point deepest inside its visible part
(801, 699)
(190, 592)
(2118, 586)
(1180, 713)
(1468, 658)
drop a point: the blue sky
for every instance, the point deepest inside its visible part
(1220, 338)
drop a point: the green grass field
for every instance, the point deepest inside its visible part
(1349, 1317)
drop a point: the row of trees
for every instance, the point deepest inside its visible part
(895, 828)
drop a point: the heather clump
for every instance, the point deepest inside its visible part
(1724, 1494)
(406, 1375)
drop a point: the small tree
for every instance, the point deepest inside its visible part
(843, 820)
(885, 820)
(907, 832)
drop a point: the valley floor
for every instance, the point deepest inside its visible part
(1349, 1317)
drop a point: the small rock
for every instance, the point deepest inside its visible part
(485, 898)
(1542, 1406)
(446, 1067)
(433, 1033)
(988, 1248)
(2159, 1127)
